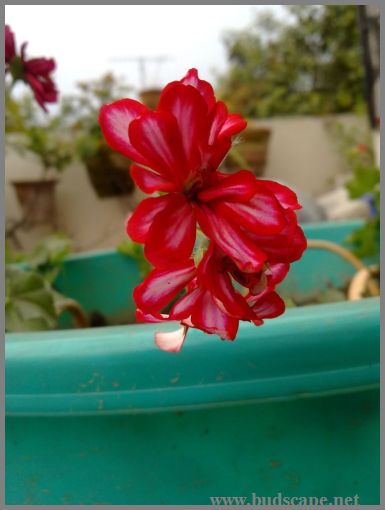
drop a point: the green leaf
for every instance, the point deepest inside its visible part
(14, 323)
(135, 251)
(11, 256)
(365, 180)
(29, 301)
(49, 255)
(366, 239)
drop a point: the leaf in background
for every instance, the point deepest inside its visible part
(366, 239)
(29, 303)
(135, 250)
(11, 256)
(365, 180)
(50, 252)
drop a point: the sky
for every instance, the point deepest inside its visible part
(87, 40)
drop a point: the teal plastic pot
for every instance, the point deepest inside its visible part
(101, 416)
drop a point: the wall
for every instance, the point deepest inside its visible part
(303, 153)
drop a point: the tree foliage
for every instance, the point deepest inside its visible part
(308, 64)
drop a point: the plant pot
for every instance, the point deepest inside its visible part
(37, 200)
(290, 407)
(250, 152)
(109, 173)
(150, 97)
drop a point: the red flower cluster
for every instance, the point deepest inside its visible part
(35, 71)
(250, 223)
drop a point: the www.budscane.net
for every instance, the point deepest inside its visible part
(280, 499)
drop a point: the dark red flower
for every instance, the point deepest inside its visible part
(35, 71)
(10, 49)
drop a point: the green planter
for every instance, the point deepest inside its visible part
(101, 416)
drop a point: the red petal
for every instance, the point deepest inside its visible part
(240, 186)
(139, 222)
(10, 49)
(40, 65)
(156, 136)
(209, 317)
(285, 196)
(182, 309)
(286, 246)
(35, 84)
(23, 51)
(114, 120)
(219, 284)
(261, 215)
(161, 285)
(172, 234)
(298, 244)
(220, 115)
(234, 124)
(255, 282)
(149, 181)
(171, 341)
(190, 111)
(233, 303)
(269, 306)
(151, 317)
(187, 322)
(276, 273)
(203, 87)
(235, 243)
(218, 152)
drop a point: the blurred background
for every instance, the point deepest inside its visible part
(305, 77)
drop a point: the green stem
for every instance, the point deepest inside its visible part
(201, 247)
(238, 158)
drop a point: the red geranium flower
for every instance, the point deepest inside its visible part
(35, 71)
(178, 149)
(251, 224)
(211, 302)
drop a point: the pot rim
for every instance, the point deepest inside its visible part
(309, 351)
